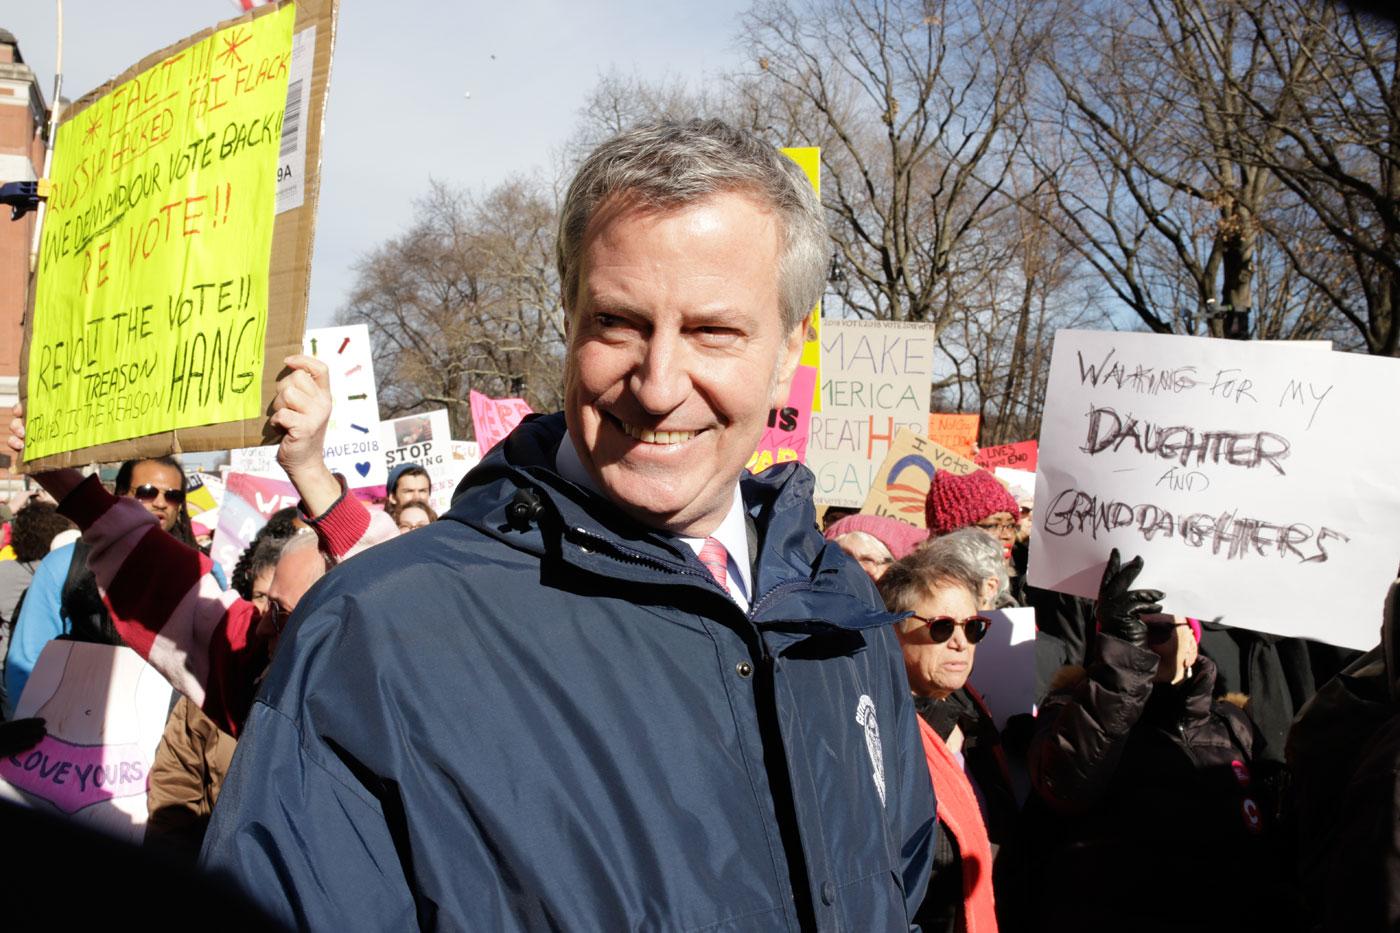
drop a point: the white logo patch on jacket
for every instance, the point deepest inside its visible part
(865, 715)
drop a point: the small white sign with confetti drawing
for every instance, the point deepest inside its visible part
(354, 447)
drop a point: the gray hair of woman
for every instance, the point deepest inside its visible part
(913, 578)
(972, 550)
(671, 164)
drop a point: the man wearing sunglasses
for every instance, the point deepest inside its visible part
(159, 485)
(63, 600)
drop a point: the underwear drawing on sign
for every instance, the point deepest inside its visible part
(74, 777)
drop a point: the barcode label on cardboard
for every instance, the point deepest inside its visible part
(291, 160)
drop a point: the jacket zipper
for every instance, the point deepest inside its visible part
(1185, 744)
(756, 604)
(769, 661)
(636, 557)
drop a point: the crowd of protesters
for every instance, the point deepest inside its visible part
(606, 694)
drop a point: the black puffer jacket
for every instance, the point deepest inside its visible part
(1344, 752)
(1143, 793)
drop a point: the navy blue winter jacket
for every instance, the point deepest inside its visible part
(537, 714)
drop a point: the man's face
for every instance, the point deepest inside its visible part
(677, 352)
(297, 570)
(158, 477)
(415, 488)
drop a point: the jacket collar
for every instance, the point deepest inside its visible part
(801, 582)
(732, 533)
(1191, 700)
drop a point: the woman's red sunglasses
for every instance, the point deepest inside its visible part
(940, 628)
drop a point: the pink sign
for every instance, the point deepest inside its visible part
(785, 439)
(249, 501)
(72, 777)
(494, 418)
(1019, 456)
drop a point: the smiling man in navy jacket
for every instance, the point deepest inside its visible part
(618, 687)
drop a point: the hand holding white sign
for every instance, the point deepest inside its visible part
(301, 410)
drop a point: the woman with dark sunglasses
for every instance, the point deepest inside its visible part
(976, 808)
(1140, 773)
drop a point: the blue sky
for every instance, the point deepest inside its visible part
(398, 111)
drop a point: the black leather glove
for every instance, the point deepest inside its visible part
(1118, 608)
(20, 735)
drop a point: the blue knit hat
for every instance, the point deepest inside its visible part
(395, 473)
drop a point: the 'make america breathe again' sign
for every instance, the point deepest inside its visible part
(875, 379)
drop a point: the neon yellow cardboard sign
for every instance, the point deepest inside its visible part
(809, 159)
(151, 302)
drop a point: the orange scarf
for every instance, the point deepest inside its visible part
(958, 810)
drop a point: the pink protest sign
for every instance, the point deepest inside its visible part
(1020, 456)
(72, 777)
(494, 418)
(785, 438)
(249, 501)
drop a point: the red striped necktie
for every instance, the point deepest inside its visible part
(716, 559)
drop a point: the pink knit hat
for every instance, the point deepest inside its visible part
(958, 501)
(900, 537)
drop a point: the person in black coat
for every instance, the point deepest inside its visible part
(1344, 754)
(1146, 810)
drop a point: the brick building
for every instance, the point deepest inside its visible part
(22, 124)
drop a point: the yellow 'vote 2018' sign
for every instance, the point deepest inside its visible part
(809, 159)
(151, 302)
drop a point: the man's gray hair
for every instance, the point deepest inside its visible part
(974, 549)
(671, 164)
(305, 539)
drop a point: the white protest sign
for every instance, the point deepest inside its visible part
(352, 438)
(465, 456)
(875, 378)
(1020, 483)
(1003, 669)
(255, 461)
(1255, 479)
(353, 447)
(426, 440)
